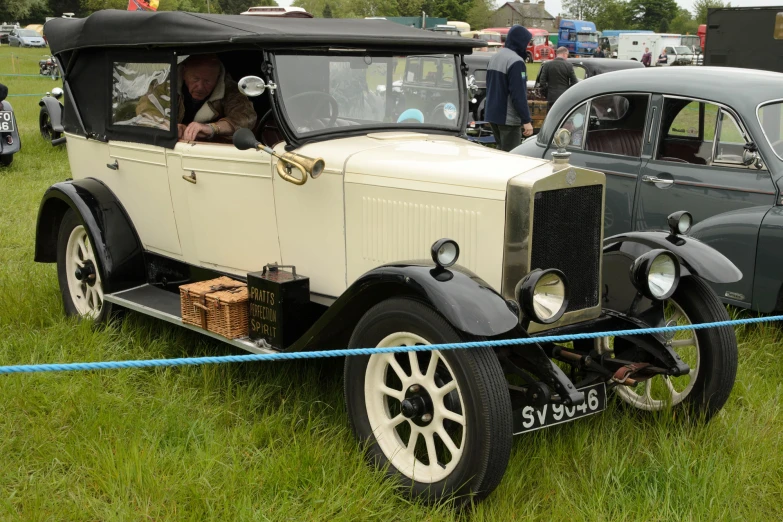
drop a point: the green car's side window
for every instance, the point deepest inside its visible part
(688, 131)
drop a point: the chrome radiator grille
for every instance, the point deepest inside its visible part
(567, 236)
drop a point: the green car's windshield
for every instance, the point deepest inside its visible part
(771, 120)
(321, 93)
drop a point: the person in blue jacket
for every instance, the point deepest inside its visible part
(506, 102)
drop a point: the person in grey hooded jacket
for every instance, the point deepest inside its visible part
(506, 103)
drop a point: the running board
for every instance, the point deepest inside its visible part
(160, 304)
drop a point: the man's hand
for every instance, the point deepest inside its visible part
(527, 129)
(196, 130)
(180, 130)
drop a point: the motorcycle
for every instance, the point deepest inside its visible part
(48, 66)
(50, 119)
(10, 143)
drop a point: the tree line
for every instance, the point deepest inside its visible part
(35, 11)
(663, 16)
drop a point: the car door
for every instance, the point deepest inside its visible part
(697, 166)
(225, 206)
(606, 135)
(137, 172)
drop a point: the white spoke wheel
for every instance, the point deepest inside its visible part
(437, 421)
(78, 271)
(710, 353)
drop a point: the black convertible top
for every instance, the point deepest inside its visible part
(114, 28)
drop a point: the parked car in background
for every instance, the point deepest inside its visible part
(10, 143)
(349, 189)
(26, 38)
(683, 138)
(680, 55)
(5, 31)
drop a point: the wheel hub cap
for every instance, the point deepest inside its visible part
(86, 273)
(416, 410)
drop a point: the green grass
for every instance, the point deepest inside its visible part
(270, 441)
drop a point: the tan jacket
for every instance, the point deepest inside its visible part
(225, 103)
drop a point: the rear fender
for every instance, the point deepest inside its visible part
(468, 303)
(111, 232)
(55, 110)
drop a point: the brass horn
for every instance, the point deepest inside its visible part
(313, 167)
(244, 139)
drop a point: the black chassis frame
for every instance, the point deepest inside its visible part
(467, 302)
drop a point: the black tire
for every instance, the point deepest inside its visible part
(70, 221)
(45, 125)
(6, 160)
(487, 418)
(529, 58)
(717, 348)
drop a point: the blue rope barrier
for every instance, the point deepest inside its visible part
(283, 356)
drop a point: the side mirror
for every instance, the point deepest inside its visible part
(252, 86)
(751, 156)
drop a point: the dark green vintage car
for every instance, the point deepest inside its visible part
(702, 139)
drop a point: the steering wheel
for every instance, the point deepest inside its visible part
(260, 127)
(325, 97)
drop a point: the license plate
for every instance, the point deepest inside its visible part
(6, 121)
(531, 419)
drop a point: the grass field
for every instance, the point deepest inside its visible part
(270, 441)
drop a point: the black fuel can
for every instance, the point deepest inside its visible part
(279, 301)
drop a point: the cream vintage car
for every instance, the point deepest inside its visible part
(401, 232)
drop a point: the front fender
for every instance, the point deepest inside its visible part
(467, 302)
(55, 110)
(695, 257)
(111, 232)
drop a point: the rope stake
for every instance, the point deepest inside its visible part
(287, 356)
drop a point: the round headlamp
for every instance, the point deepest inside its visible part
(543, 295)
(656, 274)
(680, 222)
(445, 252)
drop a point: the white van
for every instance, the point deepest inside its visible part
(631, 46)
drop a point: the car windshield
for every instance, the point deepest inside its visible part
(540, 40)
(322, 93)
(490, 37)
(771, 120)
(587, 37)
(27, 33)
(681, 49)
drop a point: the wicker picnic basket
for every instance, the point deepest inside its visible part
(227, 312)
(196, 298)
